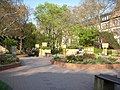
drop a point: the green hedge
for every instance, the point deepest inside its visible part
(73, 47)
(4, 86)
(97, 50)
(46, 48)
(8, 59)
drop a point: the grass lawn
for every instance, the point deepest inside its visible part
(4, 86)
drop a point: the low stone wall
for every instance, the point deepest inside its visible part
(8, 66)
(87, 66)
(71, 51)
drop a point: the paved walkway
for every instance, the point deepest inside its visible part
(39, 74)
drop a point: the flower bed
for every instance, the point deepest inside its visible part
(8, 61)
(86, 62)
(86, 66)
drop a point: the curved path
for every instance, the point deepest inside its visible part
(39, 74)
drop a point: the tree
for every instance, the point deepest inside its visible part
(29, 34)
(90, 11)
(12, 15)
(108, 37)
(9, 43)
(50, 18)
(87, 36)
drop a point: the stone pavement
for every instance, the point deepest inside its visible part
(39, 74)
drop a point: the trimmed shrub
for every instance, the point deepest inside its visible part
(4, 86)
(97, 50)
(72, 47)
(8, 59)
(46, 48)
(109, 52)
(89, 56)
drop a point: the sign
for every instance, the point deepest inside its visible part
(89, 50)
(37, 45)
(105, 45)
(13, 50)
(44, 44)
(63, 46)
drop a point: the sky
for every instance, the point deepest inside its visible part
(34, 3)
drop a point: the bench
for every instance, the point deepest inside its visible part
(105, 82)
(48, 54)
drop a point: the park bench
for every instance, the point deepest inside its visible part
(106, 82)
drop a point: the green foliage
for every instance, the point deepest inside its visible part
(100, 60)
(51, 18)
(71, 57)
(42, 38)
(109, 52)
(4, 86)
(84, 62)
(89, 59)
(112, 59)
(89, 56)
(88, 36)
(8, 59)
(98, 50)
(30, 35)
(79, 58)
(72, 47)
(46, 48)
(114, 53)
(9, 43)
(73, 31)
(108, 37)
(56, 58)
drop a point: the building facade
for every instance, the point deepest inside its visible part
(111, 22)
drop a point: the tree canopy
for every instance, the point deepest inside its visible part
(88, 36)
(51, 19)
(13, 14)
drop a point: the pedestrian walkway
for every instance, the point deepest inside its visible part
(40, 74)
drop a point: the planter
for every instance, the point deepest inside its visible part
(8, 66)
(87, 66)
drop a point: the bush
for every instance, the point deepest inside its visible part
(108, 37)
(9, 43)
(8, 59)
(99, 60)
(71, 57)
(4, 86)
(46, 48)
(109, 52)
(97, 50)
(79, 58)
(72, 47)
(113, 60)
(54, 51)
(89, 56)
(56, 58)
(87, 59)
(84, 62)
